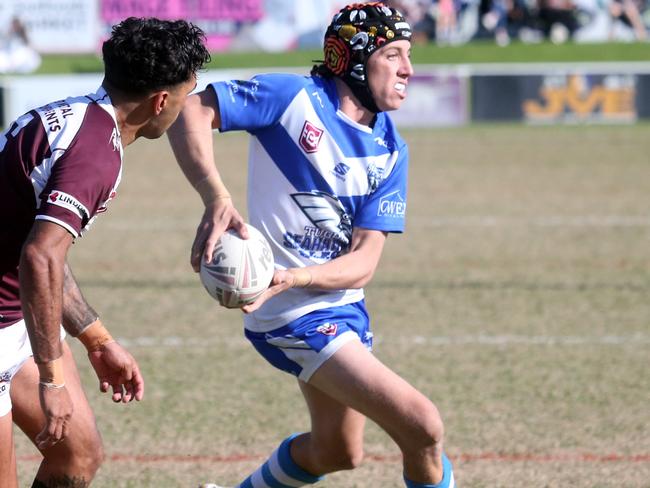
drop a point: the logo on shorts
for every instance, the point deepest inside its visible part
(327, 329)
(310, 137)
(5, 377)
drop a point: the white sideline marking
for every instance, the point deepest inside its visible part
(165, 224)
(542, 221)
(416, 340)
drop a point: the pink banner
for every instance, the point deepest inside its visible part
(238, 10)
(219, 19)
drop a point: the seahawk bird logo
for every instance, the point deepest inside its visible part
(326, 212)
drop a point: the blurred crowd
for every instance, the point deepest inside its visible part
(459, 21)
(295, 24)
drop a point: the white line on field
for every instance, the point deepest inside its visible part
(542, 221)
(165, 224)
(416, 340)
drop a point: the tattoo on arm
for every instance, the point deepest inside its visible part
(77, 313)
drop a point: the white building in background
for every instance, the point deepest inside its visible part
(56, 26)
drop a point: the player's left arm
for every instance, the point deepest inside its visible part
(354, 269)
(77, 314)
(114, 365)
(191, 139)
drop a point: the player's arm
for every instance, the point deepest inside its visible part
(354, 269)
(114, 365)
(77, 314)
(191, 138)
(42, 261)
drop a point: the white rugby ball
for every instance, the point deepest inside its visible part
(240, 270)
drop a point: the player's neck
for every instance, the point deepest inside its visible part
(351, 106)
(129, 121)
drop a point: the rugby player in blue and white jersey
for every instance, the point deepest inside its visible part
(59, 167)
(326, 184)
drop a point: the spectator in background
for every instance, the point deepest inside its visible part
(629, 13)
(496, 20)
(421, 14)
(16, 53)
(558, 19)
(507, 19)
(446, 21)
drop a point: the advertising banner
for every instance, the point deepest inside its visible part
(219, 19)
(433, 100)
(557, 97)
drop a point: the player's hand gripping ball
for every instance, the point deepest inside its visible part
(240, 270)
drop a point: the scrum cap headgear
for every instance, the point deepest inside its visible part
(356, 32)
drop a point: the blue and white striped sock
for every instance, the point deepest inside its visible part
(280, 471)
(447, 477)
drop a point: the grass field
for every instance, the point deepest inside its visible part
(517, 300)
(474, 52)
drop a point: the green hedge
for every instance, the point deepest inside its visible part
(475, 52)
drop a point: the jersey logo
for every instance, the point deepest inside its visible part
(310, 137)
(104, 206)
(67, 201)
(326, 212)
(316, 95)
(375, 176)
(340, 170)
(381, 142)
(331, 231)
(392, 205)
(327, 329)
(115, 140)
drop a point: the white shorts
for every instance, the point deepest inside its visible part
(15, 349)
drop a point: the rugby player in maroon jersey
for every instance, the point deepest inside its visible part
(60, 165)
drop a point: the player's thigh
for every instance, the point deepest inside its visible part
(7, 453)
(82, 429)
(333, 423)
(356, 378)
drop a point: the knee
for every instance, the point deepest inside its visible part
(95, 458)
(338, 458)
(81, 457)
(428, 429)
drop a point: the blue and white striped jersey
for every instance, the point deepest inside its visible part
(313, 175)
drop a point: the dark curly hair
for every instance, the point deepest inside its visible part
(148, 54)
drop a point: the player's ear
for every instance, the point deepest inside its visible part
(159, 101)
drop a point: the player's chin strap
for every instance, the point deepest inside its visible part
(361, 90)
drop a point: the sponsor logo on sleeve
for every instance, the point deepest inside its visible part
(392, 205)
(310, 137)
(248, 90)
(67, 201)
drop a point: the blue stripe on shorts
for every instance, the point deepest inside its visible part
(302, 346)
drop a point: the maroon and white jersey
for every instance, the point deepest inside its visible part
(62, 163)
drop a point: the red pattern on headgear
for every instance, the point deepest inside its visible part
(337, 55)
